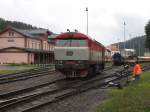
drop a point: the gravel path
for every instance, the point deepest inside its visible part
(84, 102)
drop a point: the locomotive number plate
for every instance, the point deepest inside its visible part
(69, 53)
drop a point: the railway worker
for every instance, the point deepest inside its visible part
(137, 71)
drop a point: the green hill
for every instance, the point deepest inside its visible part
(137, 43)
(20, 25)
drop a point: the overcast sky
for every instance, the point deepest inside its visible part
(106, 17)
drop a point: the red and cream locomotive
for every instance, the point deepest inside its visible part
(77, 55)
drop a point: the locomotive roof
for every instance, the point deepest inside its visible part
(75, 35)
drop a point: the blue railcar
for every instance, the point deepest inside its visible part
(117, 59)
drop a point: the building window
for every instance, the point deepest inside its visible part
(45, 46)
(28, 44)
(35, 45)
(32, 44)
(39, 46)
(11, 33)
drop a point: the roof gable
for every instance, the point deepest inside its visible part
(8, 33)
(34, 33)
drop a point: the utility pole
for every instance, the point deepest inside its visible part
(87, 20)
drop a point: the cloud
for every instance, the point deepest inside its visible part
(134, 24)
(105, 16)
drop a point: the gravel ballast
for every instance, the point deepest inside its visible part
(84, 102)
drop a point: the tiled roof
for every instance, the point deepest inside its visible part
(37, 31)
(25, 32)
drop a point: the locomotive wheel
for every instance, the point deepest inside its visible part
(102, 66)
(91, 71)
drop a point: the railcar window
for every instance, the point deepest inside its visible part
(72, 43)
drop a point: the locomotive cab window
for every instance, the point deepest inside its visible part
(71, 42)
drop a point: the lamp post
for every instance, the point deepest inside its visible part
(124, 35)
(87, 20)
(124, 38)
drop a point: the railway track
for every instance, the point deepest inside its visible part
(17, 97)
(82, 88)
(146, 67)
(7, 78)
(77, 90)
(25, 75)
(44, 94)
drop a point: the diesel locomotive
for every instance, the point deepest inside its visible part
(77, 55)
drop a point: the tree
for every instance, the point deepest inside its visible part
(147, 31)
(2, 24)
(20, 25)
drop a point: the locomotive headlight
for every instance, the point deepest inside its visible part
(79, 62)
(60, 62)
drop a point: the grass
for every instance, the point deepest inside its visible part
(8, 71)
(133, 98)
(27, 65)
(146, 63)
(22, 65)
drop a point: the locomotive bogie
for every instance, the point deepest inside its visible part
(78, 70)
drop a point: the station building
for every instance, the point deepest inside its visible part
(113, 49)
(26, 46)
(127, 52)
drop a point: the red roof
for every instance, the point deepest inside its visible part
(72, 35)
(77, 35)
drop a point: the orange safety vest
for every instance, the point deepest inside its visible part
(137, 69)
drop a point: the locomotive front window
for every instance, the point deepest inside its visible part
(71, 43)
(63, 43)
(78, 43)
